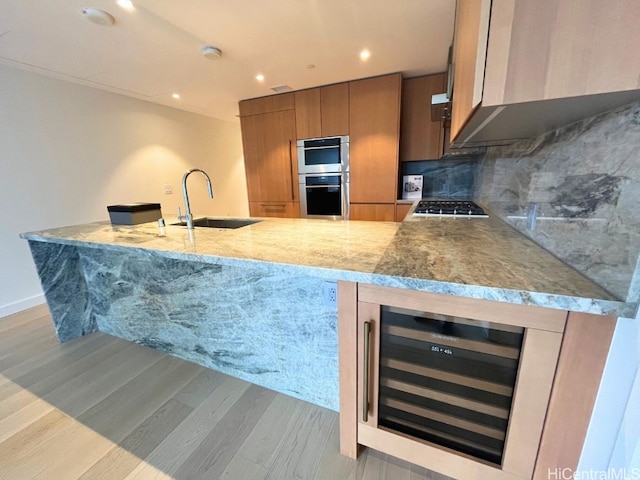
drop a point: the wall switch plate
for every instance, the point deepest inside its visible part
(168, 189)
(330, 294)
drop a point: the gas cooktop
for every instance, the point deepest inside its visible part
(449, 208)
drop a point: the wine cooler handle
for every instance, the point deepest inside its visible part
(367, 366)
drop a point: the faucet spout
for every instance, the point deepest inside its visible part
(188, 217)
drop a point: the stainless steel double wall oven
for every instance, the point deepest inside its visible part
(323, 170)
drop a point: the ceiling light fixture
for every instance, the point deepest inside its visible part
(211, 53)
(364, 55)
(175, 96)
(99, 17)
(125, 4)
(260, 77)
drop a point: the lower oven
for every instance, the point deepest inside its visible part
(324, 196)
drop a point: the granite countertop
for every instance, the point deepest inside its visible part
(477, 258)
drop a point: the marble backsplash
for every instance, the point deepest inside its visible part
(450, 178)
(576, 192)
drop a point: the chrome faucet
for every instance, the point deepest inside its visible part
(188, 217)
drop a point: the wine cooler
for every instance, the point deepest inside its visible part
(459, 386)
(447, 379)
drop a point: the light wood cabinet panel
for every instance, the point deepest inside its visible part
(308, 114)
(569, 414)
(334, 101)
(402, 209)
(272, 103)
(274, 209)
(323, 111)
(420, 137)
(469, 53)
(538, 358)
(378, 212)
(545, 65)
(270, 156)
(374, 128)
(561, 48)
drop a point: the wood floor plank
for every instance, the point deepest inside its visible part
(22, 333)
(242, 468)
(61, 369)
(99, 408)
(37, 312)
(174, 450)
(380, 466)
(17, 418)
(87, 446)
(262, 445)
(332, 464)
(130, 404)
(299, 455)
(198, 389)
(215, 452)
(126, 456)
(37, 364)
(15, 353)
(98, 381)
(20, 454)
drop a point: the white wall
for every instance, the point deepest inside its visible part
(68, 151)
(613, 438)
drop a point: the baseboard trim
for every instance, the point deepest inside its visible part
(20, 305)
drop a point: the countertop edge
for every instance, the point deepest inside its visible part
(518, 297)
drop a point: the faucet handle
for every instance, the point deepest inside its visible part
(180, 217)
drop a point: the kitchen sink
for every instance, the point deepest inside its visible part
(220, 222)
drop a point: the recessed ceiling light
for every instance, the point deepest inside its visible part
(260, 77)
(364, 55)
(99, 17)
(175, 96)
(125, 4)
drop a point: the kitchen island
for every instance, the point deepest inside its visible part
(249, 302)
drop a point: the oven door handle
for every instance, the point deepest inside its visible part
(293, 194)
(345, 201)
(322, 186)
(321, 148)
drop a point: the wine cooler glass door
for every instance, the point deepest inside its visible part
(447, 380)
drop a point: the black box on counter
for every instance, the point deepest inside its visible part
(134, 213)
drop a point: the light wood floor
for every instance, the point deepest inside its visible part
(102, 408)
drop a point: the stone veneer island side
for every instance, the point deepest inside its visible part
(249, 302)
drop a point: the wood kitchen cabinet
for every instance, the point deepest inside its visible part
(413, 385)
(323, 111)
(376, 212)
(272, 103)
(275, 209)
(271, 163)
(402, 210)
(525, 68)
(421, 138)
(374, 129)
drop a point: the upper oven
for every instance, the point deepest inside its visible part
(323, 155)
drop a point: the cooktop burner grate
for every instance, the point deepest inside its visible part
(449, 208)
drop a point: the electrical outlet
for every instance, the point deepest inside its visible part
(168, 189)
(330, 294)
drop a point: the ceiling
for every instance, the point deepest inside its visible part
(154, 50)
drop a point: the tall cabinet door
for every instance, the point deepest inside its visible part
(270, 156)
(374, 117)
(469, 55)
